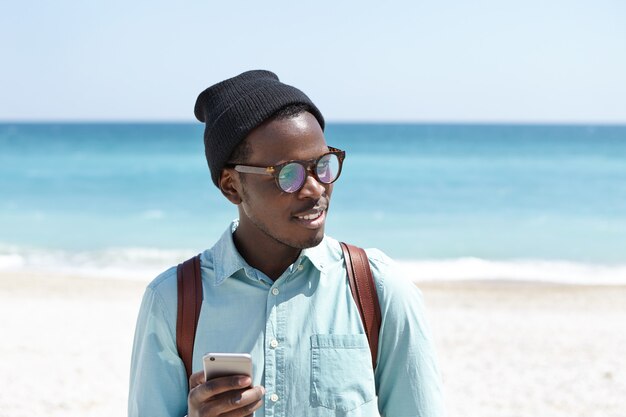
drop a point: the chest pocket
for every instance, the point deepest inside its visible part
(342, 377)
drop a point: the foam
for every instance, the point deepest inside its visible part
(146, 263)
(530, 270)
(11, 261)
(132, 263)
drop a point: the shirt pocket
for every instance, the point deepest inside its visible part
(342, 377)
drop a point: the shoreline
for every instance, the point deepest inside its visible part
(145, 263)
(457, 271)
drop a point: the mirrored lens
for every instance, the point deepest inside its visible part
(327, 168)
(291, 177)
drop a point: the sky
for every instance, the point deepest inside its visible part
(531, 61)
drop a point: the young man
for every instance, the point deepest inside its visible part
(275, 286)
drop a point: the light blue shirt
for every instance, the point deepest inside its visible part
(304, 333)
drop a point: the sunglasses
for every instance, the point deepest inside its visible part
(291, 175)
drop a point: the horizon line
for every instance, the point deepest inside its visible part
(335, 121)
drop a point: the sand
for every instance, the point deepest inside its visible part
(531, 349)
(505, 349)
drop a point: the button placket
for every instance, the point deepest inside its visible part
(282, 312)
(271, 365)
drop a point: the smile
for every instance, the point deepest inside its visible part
(312, 216)
(312, 220)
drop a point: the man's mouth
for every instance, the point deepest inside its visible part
(313, 218)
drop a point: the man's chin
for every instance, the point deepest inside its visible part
(314, 243)
(311, 242)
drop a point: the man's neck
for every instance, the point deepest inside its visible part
(264, 253)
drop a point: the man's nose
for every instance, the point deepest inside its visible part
(312, 188)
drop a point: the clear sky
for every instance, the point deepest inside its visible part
(439, 61)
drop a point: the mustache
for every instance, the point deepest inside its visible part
(318, 206)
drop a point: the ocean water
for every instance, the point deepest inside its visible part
(449, 201)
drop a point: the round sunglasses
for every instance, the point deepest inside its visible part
(291, 175)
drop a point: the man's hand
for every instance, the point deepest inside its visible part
(229, 395)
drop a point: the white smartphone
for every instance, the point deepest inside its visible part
(224, 364)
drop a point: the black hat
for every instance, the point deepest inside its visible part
(232, 108)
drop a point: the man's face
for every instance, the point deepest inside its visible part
(270, 215)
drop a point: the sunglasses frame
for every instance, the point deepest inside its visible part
(309, 168)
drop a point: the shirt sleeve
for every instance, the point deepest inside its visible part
(407, 376)
(158, 380)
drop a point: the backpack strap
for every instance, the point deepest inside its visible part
(364, 293)
(189, 283)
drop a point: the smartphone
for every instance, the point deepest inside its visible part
(224, 364)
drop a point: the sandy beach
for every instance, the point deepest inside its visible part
(505, 349)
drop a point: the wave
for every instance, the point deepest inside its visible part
(128, 263)
(526, 270)
(146, 263)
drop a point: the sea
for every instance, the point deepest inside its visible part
(449, 202)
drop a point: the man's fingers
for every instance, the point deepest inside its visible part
(245, 411)
(205, 391)
(230, 395)
(237, 403)
(196, 379)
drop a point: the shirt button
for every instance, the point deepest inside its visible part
(274, 343)
(274, 397)
(275, 291)
(300, 267)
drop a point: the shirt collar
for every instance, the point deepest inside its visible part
(315, 255)
(324, 254)
(227, 261)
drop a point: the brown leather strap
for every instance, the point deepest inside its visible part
(189, 281)
(364, 293)
(362, 286)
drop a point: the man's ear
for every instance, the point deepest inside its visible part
(230, 185)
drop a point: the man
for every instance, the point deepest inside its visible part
(275, 286)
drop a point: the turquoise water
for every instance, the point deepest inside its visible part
(419, 192)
